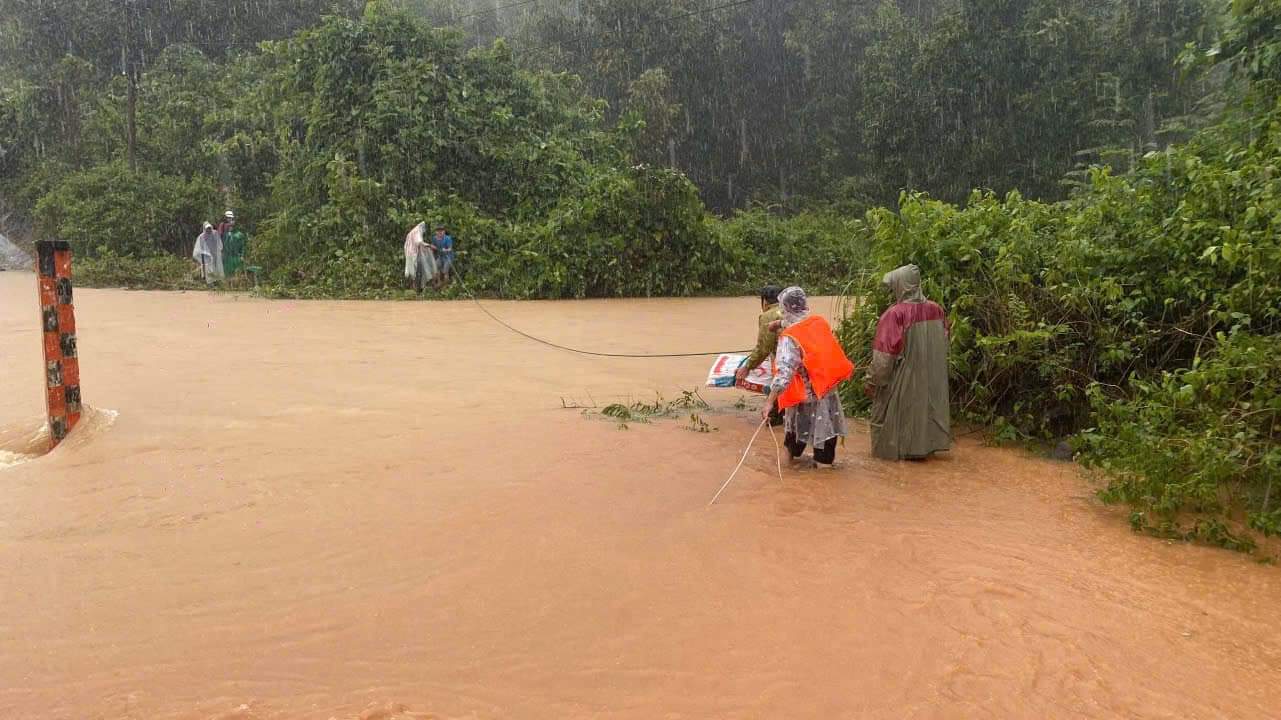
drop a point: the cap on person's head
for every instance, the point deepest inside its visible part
(207, 226)
(229, 215)
(769, 294)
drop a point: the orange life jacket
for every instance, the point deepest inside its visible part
(823, 358)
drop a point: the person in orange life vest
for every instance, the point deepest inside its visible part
(811, 365)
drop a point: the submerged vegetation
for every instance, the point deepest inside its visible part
(690, 404)
(1091, 188)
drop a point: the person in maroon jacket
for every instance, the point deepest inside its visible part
(907, 381)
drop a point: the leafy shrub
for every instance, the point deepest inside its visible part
(1197, 443)
(158, 272)
(108, 208)
(1018, 352)
(1132, 277)
(820, 250)
(640, 231)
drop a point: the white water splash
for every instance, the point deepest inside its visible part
(13, 459)
(93, 421)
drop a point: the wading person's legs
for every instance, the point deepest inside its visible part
(795, 448)
(826, 455)
(446, 271)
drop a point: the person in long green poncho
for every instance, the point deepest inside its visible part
(911, 418)
(233, 245)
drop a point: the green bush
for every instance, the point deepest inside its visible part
(1133, 276)
(820, 250)
(640, 231)
(108, 208)
(1021, 359)
(159, 272)
(1197, 444)
(381, 124)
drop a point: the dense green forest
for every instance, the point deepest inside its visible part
(788, 101)
(1091, 187)
(554, 134)
(778, 102)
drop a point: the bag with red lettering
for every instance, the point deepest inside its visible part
(722, 374)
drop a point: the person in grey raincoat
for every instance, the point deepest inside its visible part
(207, 252)
(810, 365)
(907, 381)
(420, 258)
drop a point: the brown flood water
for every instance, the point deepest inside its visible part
(381, 511)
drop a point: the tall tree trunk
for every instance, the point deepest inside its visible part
(132, 121)
(130, 67)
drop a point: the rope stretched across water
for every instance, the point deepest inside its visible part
(579, 351)
(764, 423)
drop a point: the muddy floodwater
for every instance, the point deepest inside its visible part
(382, 511)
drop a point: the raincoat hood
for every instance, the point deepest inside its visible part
(905, 284)
(415, 240)
(208, 252)
(794, 304)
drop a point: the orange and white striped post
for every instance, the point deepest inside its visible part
(58, 320)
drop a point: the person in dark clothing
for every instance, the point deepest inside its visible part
(443, 244)
(766, 341)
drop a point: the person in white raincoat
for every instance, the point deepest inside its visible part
(420, 259)
(208, 254)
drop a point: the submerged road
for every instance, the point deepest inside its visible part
(381, 511)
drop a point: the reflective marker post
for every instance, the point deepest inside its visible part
(58, 321)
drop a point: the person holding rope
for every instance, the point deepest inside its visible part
(443, 245)
(766, 342)
(810, 366)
